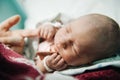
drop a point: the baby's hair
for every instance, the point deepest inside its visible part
(109, 29)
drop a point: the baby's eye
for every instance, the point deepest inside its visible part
(68, 44)
(65, 46)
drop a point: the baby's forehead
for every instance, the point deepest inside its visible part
(86, 24)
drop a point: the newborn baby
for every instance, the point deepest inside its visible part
(82, 41)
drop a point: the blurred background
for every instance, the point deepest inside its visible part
(34, 11)
(9, 8)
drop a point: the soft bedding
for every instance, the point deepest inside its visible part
(13, 66)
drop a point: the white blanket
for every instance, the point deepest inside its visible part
(112, 61)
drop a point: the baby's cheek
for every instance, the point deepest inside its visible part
(71, 58)
(66, 57)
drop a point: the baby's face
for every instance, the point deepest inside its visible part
(71, 42)
(80, 42)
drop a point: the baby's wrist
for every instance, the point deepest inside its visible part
(45, 65)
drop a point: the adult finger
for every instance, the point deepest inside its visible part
(16, 40)
(28, 33)
(7, 24)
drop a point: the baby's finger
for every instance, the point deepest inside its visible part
(45, 34)
(54, 55)
(60, 63)
(7, 24)
(62, 67)
(57, 59)
(41, 33)
(51, 58)
(50, 36)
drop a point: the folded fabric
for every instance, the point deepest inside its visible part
(107, 73)
(14, 66)
(112, 61)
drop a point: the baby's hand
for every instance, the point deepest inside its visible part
(47, 31)
(56, 62)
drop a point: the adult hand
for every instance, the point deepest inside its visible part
(14, 39)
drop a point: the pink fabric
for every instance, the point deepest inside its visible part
(14, 66)
(108, 73)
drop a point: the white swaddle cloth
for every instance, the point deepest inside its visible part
(112, 61)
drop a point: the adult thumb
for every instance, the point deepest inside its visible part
(7, 24)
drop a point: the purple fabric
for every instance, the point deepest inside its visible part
(14, 66)
(107, 73)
